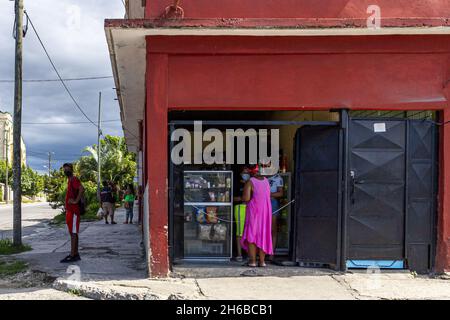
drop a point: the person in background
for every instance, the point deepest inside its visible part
(239, 213)
(276, 193)
(257, 236)
(129, 203)
(74, 193)
(107, 202)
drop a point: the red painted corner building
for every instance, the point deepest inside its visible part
(359, 91)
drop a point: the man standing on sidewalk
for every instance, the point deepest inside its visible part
(74, 193)
(107, 202)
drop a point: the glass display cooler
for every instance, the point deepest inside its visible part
(207, 205)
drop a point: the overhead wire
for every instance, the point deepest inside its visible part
(62, 80)
(58, 80)
(57, 72)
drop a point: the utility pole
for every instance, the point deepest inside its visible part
(99, 134)
(49, 163)
(7, 166)
(17, 127)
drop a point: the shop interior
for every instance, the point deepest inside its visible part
(204, 219)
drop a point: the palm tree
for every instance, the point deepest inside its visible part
(118, 165)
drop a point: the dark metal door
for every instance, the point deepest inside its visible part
(392, 191)
(376, 208)
(421, 195)
(317, 194)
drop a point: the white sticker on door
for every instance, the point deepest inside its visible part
(379, 127)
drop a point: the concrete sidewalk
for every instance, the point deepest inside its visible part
(113, 267)
(107, 251)
(392, 286)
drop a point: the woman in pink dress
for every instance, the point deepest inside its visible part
(257, 234)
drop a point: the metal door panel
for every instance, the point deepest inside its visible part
(392, 191)
(376, 201)
(317, 194)
(363, 137)
(421, 194)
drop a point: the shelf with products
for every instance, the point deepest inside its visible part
(207, 214)
(208, 186)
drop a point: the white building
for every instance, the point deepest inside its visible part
(6, 139)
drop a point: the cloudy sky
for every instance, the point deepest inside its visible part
(72, 31)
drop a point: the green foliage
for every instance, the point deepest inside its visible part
(32, 182)
(91, 198)
(7, 247)
(55, 188)
(10, 268)
(118, 166)
(59, 219)
(91, 210)
(3, 172)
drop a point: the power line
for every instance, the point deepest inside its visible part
(64, 123)
(57, 80)
(46, 153)
(57, 72)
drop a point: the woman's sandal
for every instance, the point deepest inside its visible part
(251, 265)
(262, 265)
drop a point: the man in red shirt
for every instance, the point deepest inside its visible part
(74, 193)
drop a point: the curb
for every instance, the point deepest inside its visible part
(100, 292)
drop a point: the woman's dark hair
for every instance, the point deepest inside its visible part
(131, 187)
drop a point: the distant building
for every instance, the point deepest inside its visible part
(6, 139)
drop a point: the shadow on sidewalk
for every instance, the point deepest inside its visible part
(108, 252)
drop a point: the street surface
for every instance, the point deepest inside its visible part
(35, 216)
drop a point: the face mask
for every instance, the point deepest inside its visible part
(245, 176)
(68, 173)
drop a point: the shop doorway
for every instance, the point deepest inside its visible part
(189, 242)
(366, 193)
(364, 188)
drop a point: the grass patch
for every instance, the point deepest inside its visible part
(10, 268)
(75, 292)
(7, 247)
(60, 219)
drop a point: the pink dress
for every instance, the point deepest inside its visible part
(258, 221)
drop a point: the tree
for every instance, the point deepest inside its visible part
(3, 172)
(55, 188)
(118, 165)
(32, 182)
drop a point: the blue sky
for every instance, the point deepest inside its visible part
(72, 31)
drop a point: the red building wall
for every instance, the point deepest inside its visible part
(289, 73)
(302, 8)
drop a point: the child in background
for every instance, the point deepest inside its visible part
(129, 203)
